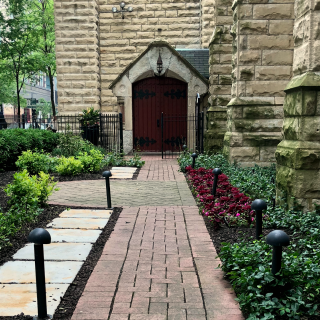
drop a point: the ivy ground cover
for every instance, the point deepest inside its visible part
(293, 293)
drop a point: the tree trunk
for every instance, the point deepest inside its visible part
(18, 97)
(52, 92)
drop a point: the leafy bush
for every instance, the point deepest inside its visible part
(91, 162)
(70, 145)
(28, 192)
(69, 166)
(135, 161)
(35, 162)
(14, 141)
(294, 291)
(116, 159)
(12, 221)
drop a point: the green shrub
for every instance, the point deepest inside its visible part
(14, 141)
(293, 292)
(34, 162)
(69, 166)
(13, 220)
(91, 162)
(70, 145)
(116, 159)
(46, 186)
(28, 192)
(135, 161)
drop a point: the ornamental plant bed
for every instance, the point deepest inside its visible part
(228, 206)
(294, 292)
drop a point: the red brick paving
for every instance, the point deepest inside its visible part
(158, 264)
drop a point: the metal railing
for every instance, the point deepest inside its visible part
(177, 131)
(108, 133)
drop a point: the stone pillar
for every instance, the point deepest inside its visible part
(262, 66)
(220, 48)
(298, 155)
(77, 55)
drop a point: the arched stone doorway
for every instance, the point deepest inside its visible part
(145, 66)
(151, 97)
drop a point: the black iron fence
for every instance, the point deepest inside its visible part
(34, 122)
(107, 133)
(177, 131)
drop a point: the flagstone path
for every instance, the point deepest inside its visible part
(72, 237)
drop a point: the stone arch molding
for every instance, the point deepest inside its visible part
(145, 66)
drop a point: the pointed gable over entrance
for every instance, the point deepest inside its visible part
(145, 66)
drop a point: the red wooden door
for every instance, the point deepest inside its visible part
(151, 97)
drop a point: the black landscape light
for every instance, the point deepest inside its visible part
(107, 175)
(258, 205)
(216, 173)
(40, 237)
(194, 156)
(277, 239)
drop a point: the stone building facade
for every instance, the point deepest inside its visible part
(263, 89)
(95, 45)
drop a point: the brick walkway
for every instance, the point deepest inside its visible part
(159, 262)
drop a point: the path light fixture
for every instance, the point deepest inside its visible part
(277, 239)
(216, 173)
(258, 205)
(40, 237)
(122, 9)
(107, 175)
(194, 156)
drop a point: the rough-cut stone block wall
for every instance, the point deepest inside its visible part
(122, 40)
(306, 37)
(298, 155)
(220, 48)
(261, 69)
(77, 55)
(207, 21)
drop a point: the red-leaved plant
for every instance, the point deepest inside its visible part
(229, 205)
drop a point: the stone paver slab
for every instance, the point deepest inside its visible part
(80, 223)
(123, 169)
(121, 175)
(82, 213)
(24, 271)
(74, 235)
(57, 251)
(17, 298)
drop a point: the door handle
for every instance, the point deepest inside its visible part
(158, 123)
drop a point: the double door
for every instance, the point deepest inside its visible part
(151, 98)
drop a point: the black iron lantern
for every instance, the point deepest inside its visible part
(122, 9)
(159, 64)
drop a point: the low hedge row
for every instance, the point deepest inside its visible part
(14, 141)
